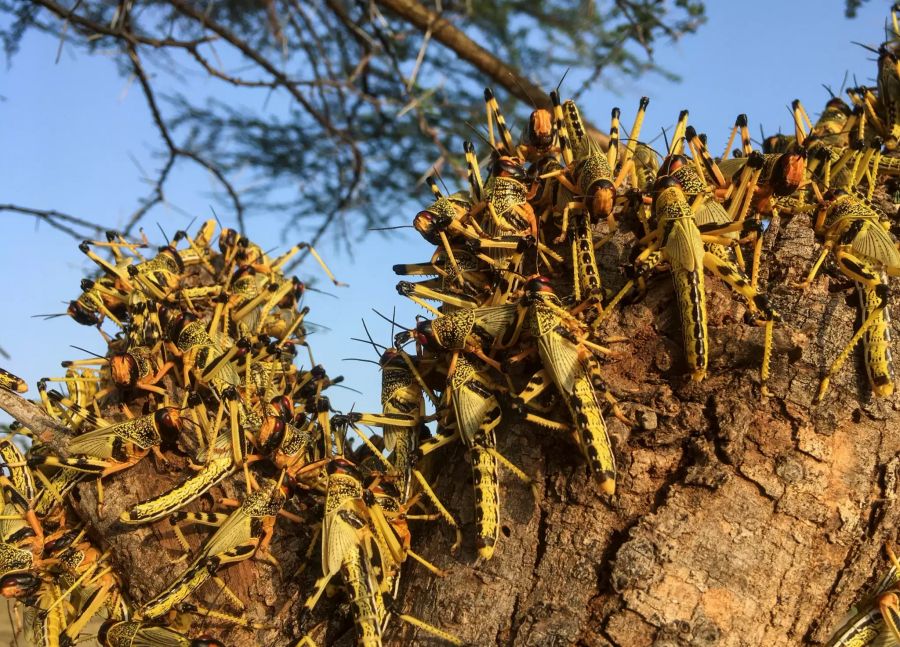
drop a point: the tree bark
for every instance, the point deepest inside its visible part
(738, 520)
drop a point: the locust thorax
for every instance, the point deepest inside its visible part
(171, 257)
(833, 118)
(666, 190)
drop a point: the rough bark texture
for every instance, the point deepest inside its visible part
(737, 521)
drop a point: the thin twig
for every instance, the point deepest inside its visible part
(55, 219)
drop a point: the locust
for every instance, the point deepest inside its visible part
(865, 252)
(106, 448)
(219, 464)
(112, 447)
(240, 535)
(471, 409)
(21, 530)
(12, 382)
(346, 535)
(132, 633)
(568, 363)
(99, 299)
(191, 340)
(679, 241)
(501, 201)
(875, 620)
(587, 188)
(403, 412)
(465, 330)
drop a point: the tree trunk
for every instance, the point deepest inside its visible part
(738, 519)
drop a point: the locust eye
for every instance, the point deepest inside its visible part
(206, 641)
(168, 418)
(424, 332)
(423, 219)
(284, 406)
(271, 433)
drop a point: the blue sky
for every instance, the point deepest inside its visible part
(73, 135)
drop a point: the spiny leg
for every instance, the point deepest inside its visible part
(426, 488)
(877, 342)
(613, 152)
(758, 303)
(881, 293)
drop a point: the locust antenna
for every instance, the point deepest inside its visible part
(85, 350)
(163, 232)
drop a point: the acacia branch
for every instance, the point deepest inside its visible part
(56, 219)
(446, 33)
(174, 151)
(450, 36)
(70, 16)
(188, 9)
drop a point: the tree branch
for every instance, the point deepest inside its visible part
(188, 9)
(69, 15)
(56, 218)
(450, 36)
(175, 151)
(33, 418)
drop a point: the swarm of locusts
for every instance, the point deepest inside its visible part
(210, 362)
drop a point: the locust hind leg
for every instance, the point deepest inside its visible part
(691, 298)
(874, 315)
(445, 514)
(877, 342)
(390, 606)
(889, 605)
(720, 265)
(487, 500)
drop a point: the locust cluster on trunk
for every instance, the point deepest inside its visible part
(206, 365)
